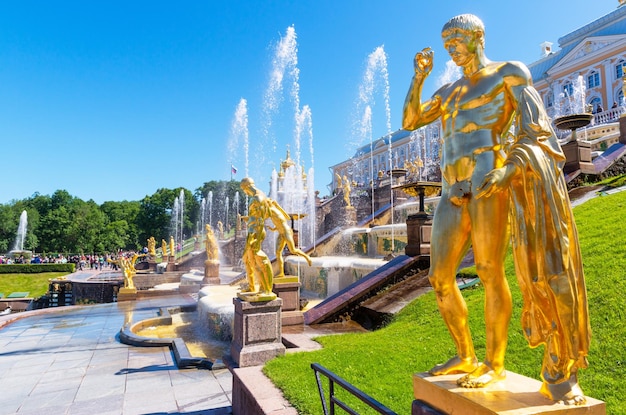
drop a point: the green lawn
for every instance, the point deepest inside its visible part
(382, 363)
(35, 284)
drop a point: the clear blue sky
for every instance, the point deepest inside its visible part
(112, 100)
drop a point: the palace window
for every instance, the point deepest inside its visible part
(568, 89)
(593, 79)
(619, 69)
(549, 99)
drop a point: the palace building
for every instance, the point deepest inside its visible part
(586, 73)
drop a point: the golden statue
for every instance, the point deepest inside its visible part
(127, 265)
(220, 229)
(152, 246)
(346, 191)
(172, 247)
(338, 181)
(413, 168)
(164, 248)
(281, 219)
(257, 263)
(212, 251)
(484, 180)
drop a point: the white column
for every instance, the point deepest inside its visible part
(607, 80)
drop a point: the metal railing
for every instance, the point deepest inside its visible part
(334, 401)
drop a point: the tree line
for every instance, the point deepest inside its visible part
(62, 223)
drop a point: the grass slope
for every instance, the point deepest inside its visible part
(35, 284)
(382, 363)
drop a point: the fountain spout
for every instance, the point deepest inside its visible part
(415, 222)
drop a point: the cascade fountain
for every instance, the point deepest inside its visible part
(357, 251)
(290, 189)
(336, 266)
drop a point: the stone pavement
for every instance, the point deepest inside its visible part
(68, 360)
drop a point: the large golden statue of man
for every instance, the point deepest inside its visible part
(501, 161)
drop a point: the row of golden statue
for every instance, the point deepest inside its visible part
(164, 247)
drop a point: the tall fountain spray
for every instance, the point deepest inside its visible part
(292, 187)
(174, 219)
(375, 78)
(21, 232)
(181, 218)
(236, 204)
(177, 219)
(210, 207)
(202, 218)
(226, 214)
(239, 137)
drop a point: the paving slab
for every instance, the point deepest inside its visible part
(68, 360)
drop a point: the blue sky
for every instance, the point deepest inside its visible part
(112, 100)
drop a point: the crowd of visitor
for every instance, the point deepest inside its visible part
(91, 261)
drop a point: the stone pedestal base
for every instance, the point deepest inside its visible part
(414, 225)
(256, 332)
(578, 156)
(211, 272)
(288, 289)
(517, 394)
(349, 216)
(126, 294)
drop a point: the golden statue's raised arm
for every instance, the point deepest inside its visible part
(416, 113)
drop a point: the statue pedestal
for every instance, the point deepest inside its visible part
(349, 216)
(126, 294)
(171, 263)
(256, 332)
(414, 225)
(211, 272)
(288, 289)
(517, 394)
(578, 156)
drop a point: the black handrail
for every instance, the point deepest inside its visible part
(334, 379)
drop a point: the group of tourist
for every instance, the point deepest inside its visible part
(36, 259)
(90, 261)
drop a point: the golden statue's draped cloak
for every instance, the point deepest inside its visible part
(545, 245)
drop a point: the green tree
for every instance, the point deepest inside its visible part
(86, 228)
(153, 218)
(126, 236)
(54, 230)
